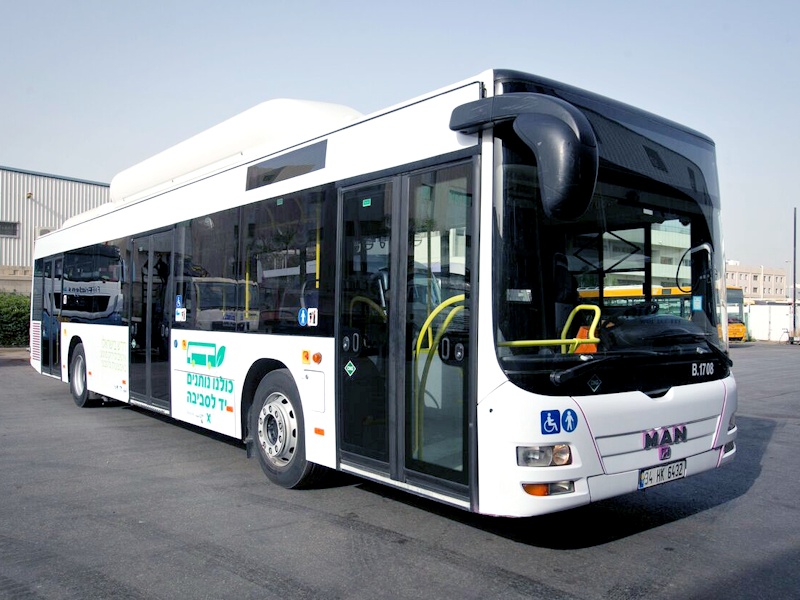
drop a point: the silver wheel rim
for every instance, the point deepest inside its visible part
(277, 430)
(77, 375)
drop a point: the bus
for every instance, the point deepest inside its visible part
(414, 275)
(737, 329)
(83, 286)
(672, 299)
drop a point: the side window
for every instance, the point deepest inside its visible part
(121, 275)
(38, 290)
(254, 269)
(92, 289)
(209, 281)
(288, 262)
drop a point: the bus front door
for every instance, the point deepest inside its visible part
(403, 362)
(150, 320)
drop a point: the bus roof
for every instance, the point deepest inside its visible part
(586, 99)
(270, 126)
(281, 124)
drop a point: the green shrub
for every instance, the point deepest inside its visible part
(14, 315)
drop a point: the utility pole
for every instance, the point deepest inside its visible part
(794, 280)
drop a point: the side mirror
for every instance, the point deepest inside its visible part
(558, 134)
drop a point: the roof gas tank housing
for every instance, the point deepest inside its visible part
(266, 128)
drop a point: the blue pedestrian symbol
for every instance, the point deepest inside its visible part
(569, 420)
(178, 301)
(302, 317)
(551, 422)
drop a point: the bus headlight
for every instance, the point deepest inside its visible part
(544, 456)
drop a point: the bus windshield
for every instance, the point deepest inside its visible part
(653, 222)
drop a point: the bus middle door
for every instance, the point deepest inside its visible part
(150, 319)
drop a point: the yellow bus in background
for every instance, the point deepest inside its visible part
(672, 300)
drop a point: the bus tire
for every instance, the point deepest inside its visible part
(277, 432)
(77, 378)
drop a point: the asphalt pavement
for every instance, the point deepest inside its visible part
(116, 502)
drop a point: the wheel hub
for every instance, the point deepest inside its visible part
(277, 430)
(77, 374)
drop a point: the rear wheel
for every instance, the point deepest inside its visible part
(77, 377)
(277, 430)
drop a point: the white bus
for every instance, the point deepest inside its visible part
(412, 313)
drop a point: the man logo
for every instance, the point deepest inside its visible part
(664, 436)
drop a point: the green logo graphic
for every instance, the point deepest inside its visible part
(350, 368)
(204, 353)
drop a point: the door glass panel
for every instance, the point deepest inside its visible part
(48, 317)
(364, 315)
(55, 333)
(160, 298)
(151, 302)
(139, 317)
(437, 312)
(51, 326)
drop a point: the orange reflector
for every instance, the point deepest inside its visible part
(319, 431)
(536, 489)
(124, 382)
(89, 373)
(317, 358)
(229, 408)
(306, 357)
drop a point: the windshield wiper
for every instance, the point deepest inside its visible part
(565, 375)
(720, 353)
(691, 338)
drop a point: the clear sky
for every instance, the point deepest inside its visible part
(91, 87)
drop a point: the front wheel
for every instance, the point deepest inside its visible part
(77, 377)
(277, 430)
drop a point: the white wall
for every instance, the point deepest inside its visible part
(769, 322)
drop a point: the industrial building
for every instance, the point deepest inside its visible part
(32, 204)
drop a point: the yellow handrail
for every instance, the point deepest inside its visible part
(422, 382)
(432, 316)
(568, 345)
(371, 303)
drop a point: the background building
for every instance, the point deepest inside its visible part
(32, 204)
(759, 283)
(767, 294)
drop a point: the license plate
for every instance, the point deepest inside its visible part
(662, 474)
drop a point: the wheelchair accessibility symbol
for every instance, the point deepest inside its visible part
(553, 421)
